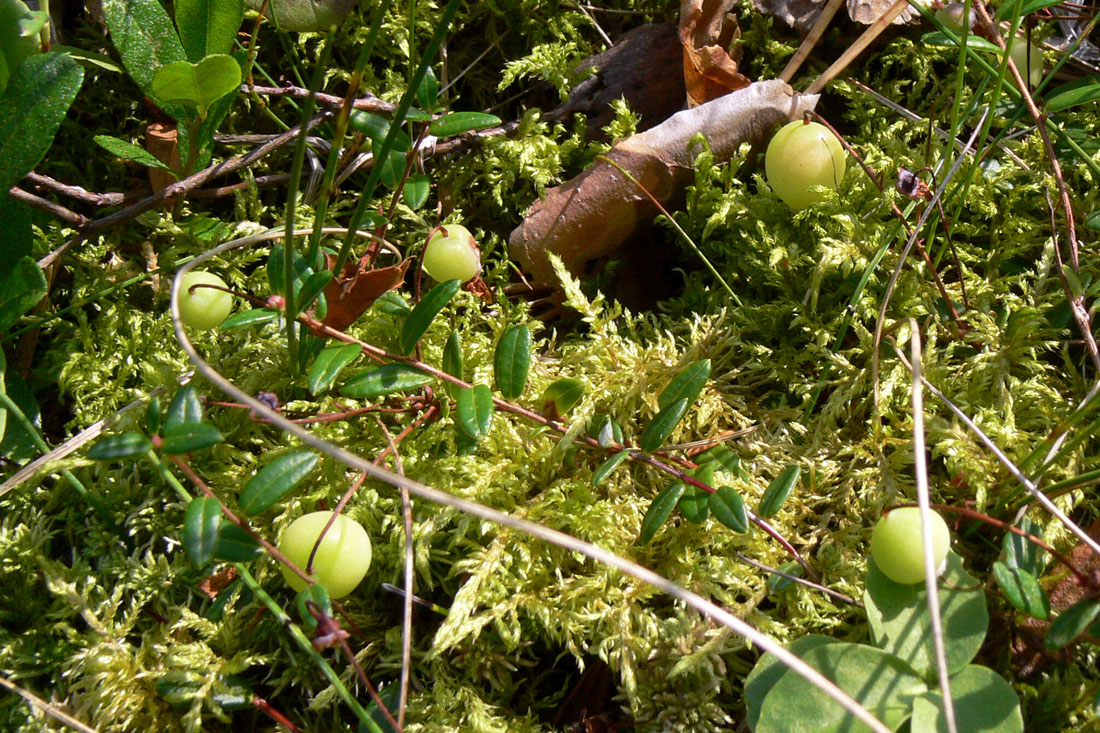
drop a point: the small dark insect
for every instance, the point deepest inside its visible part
(911, 186)
(268, 398)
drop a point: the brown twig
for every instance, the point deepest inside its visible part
(57, 210)
(78, 193)
(369, 103)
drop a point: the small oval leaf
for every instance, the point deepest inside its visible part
(254, 317)
(453, 363)
(475, 411)
(729, 508)
(658, 430)
(186, 407)
(778, 583)
(190, 437)
(1071, 623)
(375, 129)
(236, 545)
(123, 445)
(152, 416)
(416, 190)
(778, 491)
(425, 312)
(383, 380)
(607, 467)
(723, 456)
(562, 396)
(686, 385)
(511, 360)
(1022, 590)
(392, 304)
(659, 511)
(695, 504)
(391, 166)
(328, 365)
(201, 522)
(427, 94)
(457, 123)
(275, 480)
(313, 286)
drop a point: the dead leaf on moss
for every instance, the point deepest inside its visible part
(869, 11)
(801, 14)
(707, 30)
(350, 295)
(591, 215)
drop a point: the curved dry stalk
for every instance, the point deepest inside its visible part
(861, 43)
(52, 710)
(810, 40)
(565, 541)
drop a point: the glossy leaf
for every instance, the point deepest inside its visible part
(190, 437)
(427, 93)
(31, 109)
(723, 456)
(778, 490)
(938, 38)
(144, 37)
(659, 511)
(276, 480)
(197, 85)
(657, 431)
(24, 285)
(1022, 590)
(236, 545)
(778, 583)
(123, 445)
(152, 416)
(605, 431)
(561, 396)
(1071, 623)
(129, 151)
(475, 411)
(511, 361)
(728, 507)
(453, 363)
(1022, 553)
(201, 522)
(254, 317)
(1077, 92)
(208, 27)
(982, 699)
(276, 271)
(1092, 221)
(185, 407)
(19, 29)
(391, 167)
(695, 504)
(900, 624)
(425, 312)
(457, 123)
(316, 594)
(312, 287)
(416, 190)
(375, 129)
(392, 304)
(1027, 7)
(606, 468)
(384, 380)
(768, 670)
(686, 385)
(328, 365)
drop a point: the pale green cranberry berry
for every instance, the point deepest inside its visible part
(802, 155)
(452, 254)
(897, 545)
(341, 561)
(203, 308)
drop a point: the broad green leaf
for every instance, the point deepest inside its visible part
(728, 507)
(328, 365)
(1077, 92)
(305, 16)
(236, 545)
(208, 27)
(197, 85)
(768, 670)
(722, 455)
(658, 430)
(392, 304)
(877, 680)
(453, 363)
(416, 190)
(982, 699)
(152, 416)
(201, 523)
(312, 287)
(1072, 622)
(778, 490)
(31, 109)
(275, 480)
(1028, 7)
(511, 360)
(129, 151)
(19, 26)
(185, 407)
(18, 239)
(695, 504)
(778, 583)
(1022, 553)
(276, 273)
(427, 94)
(24, 285)
(561, 396)
(1022, 590)
(316, 594)
(89, 59)
(900, 624)
(190, 437)
(457, 123)
(143, 34)
(938, 38)
(608, 466)
(375, 129)
(659, 511)
(425, 312)
(686, 385)
(391, 167)
(384, 380)
(254, 317)
(122, 445)
(475, 411)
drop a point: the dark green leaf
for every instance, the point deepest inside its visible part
(658, 430)
(982, 699)
(1022, 553)
(453, 363)
(1022, 590)
(938, 38)
(511, 360)
(129, 151)
(313, 286)
(1092, 221)
(208, 26)
(457, 123)
(144, 36)
(19, 27)
(123, 445)
(687, 384)
(391, 167)
(24, 285)
(179, 686)
(475, 411)
(186, 407)
(328, 365)
(425, 312)
(659, 511)
(415, 114)
(427, 94)
(190, 437)
(416, 190)
(778, 490)
(197, 85)
(604, 469)
(18, 239)
(316, 594)
(275, 480)
(20, 443)
(236, 545)
(769, 670)
(375, 129)
(1077, 92)
(254, 317)
(31, 109)
(201, 523)
(695, 504)
(392, 304)
(1071, 623)
(391, 698)
(306, 16)
(610, 434)
(562, 396)
(276, 272)
(1005, 12)
(779, 583)
(152, 416)
(383, 380)
(723, 456)
(729, 508)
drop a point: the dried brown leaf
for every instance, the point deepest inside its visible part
(707, 30)
(349, 296)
